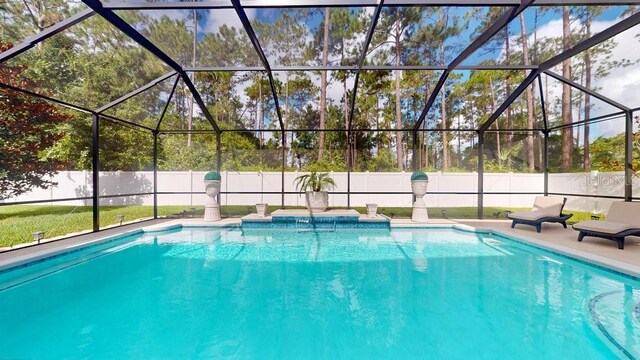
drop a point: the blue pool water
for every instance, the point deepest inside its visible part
(281, 294)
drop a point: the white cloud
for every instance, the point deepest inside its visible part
(621, 84)
(219, 17)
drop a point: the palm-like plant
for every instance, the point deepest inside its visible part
(314, 181)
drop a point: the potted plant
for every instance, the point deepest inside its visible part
(315, 185)
(419, 182)
(212, 182)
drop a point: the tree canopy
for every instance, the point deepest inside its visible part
(92, 63)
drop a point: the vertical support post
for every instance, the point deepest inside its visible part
(349, 168)
(284, 165)
(545, 151)
(155, 174)
(95, 167)
(481, 175)
(218, 151)
(219, 160)
(628, 157)
(416, 158)
(545, 159)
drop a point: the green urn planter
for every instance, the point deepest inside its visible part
(419, 182)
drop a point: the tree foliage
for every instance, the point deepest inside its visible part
(93, 63)
(28, 130)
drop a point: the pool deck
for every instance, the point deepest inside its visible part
(553, 237)
(558, 239)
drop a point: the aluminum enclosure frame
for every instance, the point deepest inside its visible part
(106, 10)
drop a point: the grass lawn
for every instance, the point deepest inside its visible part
(18, 222)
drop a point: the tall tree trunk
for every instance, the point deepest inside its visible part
(535, 58)
(260, 111)
(530, 108)
(323, 82)
(425, 134)
(459, 154)
(446, 162)
(577, 134)
(399, 152)
(445, 134)
(193, 75)
(567, 133)
(346, 120)
(507, 87)
(285, 120)
(587, 97)
(37, 12)
(425, 146)
(493, 109)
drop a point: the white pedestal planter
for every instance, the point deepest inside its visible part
(419, 188)
(317, 201)
(261, 209)
(212, 208)
(372, 210)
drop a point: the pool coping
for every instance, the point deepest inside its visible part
(583, 256)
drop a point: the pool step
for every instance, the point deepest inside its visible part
(308, 224)
(324, 221)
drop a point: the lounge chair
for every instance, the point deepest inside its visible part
(545, 209)
(623, 219)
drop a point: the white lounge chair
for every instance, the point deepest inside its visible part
(623, 219)
(545, 209)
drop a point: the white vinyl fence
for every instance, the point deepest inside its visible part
(365, 187)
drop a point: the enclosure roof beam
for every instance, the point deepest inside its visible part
(510, 99)
(543, 104)
(70, 106)
(222, 4)
(586, 90)
(596, 39)
(596, 119)
(486, 35)
(136, 92)
(125, 122)
(166, 106)
(363, 56)
(31, 41)
(136, 36)
(48, 98)
(265, 62)
(199, 101)
(432, 98)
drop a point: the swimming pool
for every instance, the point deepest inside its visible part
(283, 294)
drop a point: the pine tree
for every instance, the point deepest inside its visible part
(530, 99)
(567, 133)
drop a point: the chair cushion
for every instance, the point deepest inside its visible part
(624, 212)
(607, 227)
(528, 215)
(548, 205)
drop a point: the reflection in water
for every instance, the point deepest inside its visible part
(420, 261)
